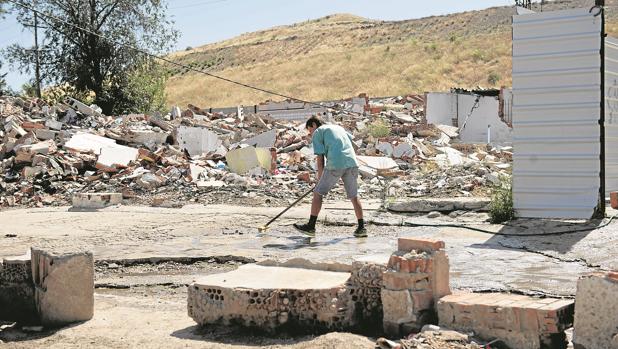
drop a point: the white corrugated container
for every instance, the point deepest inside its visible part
(556, 112)
(611, 115)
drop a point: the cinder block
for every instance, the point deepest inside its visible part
(427, 245)
(17, 290)
(64, 286)
(96, 200)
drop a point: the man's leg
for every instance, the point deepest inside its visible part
(350, 182)
(327, 182)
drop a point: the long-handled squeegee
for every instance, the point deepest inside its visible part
(265, 227)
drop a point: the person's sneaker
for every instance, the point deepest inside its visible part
(305, 229)
(360, 232)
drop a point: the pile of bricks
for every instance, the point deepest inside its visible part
(417, 276)
(519, 321)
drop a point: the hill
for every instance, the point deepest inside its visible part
(342, 55)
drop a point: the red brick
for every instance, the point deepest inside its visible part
(402, 281)
(612, 275)
(529, 320)
(613, 200)
(427, 245)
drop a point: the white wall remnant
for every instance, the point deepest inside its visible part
(456, 109)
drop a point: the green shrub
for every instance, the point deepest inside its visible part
(379, 129)
(501, 206)
(493, 78)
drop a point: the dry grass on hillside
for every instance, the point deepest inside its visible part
(378, 70)
(340, 56)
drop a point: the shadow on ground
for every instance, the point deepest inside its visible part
(542, 235)
(232, 335)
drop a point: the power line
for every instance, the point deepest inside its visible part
(238, 83)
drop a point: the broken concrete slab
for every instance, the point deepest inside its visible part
(111, 156)
(114, 157)
(263, 140)
(64, 286)
(53, 124)
(377, 162)
(440, 204)
(197, 140)
(96, 200)
(87, 142)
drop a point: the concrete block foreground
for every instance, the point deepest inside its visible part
(273, 298)
(48, 288)
(596, 312)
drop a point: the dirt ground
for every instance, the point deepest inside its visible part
(145, 258)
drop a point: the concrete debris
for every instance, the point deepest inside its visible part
(49, 153)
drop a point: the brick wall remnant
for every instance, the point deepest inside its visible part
(417, 276)
(519, 321)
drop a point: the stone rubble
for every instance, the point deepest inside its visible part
(51, 152)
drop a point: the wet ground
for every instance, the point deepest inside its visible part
(146, 256)
(479, 260)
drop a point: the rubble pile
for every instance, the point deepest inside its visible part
(434, 337)
(50, 152)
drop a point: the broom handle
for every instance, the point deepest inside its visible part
(289, 207)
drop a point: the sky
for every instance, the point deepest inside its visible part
(202, 22)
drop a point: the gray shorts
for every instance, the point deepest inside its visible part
(330, 178)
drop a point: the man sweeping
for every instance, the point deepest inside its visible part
(333, 145)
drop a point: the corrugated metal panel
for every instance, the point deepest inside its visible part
(556, 110)
(611, 115)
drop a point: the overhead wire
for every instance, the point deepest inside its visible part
(167, 60)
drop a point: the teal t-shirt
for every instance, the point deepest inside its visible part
(335, 144)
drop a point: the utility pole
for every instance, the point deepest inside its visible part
(37, 69)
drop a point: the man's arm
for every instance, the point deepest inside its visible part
(320, 167)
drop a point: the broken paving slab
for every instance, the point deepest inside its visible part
(440, 204)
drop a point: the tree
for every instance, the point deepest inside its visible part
(86, 60)
(2, 82)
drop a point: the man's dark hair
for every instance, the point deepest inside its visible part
(313, 121)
